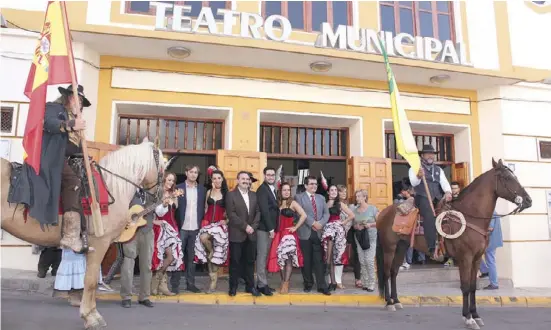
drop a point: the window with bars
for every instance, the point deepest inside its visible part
(419, 18)
(7, 120)
(544, 149)
(175, 134)
(288, 141)
(309, 15)
(443, 144)
(145, 8)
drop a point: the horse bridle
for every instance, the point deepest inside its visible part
(518, 199)
(156, 157)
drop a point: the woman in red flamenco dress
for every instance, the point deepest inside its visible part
(167, 246)
(212, 243)
(285, 250)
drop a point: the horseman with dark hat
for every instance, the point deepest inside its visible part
(439, 188)
(61, 140)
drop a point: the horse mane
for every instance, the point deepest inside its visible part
(473, 185)
(131, 162)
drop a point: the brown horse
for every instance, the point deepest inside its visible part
(477, 203)
(126, 168)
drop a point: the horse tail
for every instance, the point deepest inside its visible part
(380, 259)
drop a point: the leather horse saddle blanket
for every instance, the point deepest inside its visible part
(405, 224)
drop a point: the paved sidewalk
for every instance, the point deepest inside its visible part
(420, 287)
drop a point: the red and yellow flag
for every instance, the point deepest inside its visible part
(50, 67)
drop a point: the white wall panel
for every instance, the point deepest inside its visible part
(531, 264)
(520, 148)
(256, 88)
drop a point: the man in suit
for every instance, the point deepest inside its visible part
(269, 212)
(317, 215)
(190, 212)
(243, 217)
(142, 246)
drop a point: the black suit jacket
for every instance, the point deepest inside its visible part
(239, 217)
(269, 209)
(182, 203)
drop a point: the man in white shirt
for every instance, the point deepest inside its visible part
(190, 212)
(438, 187)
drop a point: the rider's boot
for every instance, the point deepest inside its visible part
(71, 232)
(436, 255)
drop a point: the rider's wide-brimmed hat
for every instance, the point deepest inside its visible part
(69, 91)
(427, 149)
(253, 179)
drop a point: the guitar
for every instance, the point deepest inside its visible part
(137, 212)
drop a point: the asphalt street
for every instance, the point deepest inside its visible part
(39, 312)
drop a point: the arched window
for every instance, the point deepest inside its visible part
(309, 15)
(419, 18)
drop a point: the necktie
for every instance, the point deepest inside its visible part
(314, 208)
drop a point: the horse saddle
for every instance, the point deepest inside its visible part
(404, 224)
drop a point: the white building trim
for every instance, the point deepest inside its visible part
(280, 90)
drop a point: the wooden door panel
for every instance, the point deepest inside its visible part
(98, 150)
(460, 173)
(375, 176)
(231, 162)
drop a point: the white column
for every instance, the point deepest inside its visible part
(87, 70)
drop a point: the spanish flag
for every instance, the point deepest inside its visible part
(50, 67)
(405, 144)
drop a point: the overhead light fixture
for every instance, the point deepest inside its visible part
(178, 52)
(439, 79)
(320, 66)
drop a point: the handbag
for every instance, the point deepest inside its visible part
(363, 238)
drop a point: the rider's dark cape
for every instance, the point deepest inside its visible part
(41, 192)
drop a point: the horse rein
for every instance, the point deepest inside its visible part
(145, 190)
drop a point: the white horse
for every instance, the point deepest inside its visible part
(126, 168)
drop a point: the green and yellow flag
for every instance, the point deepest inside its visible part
(405, 144)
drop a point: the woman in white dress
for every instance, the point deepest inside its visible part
(69, 279)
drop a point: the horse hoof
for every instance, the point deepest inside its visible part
(99, 319)
(93, 326)
(471, 324)
(399, 306)
(479, 321)
(390, 308)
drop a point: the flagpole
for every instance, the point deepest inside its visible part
(428, 195)
(94, 206)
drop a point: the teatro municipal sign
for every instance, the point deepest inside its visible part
(343, 37)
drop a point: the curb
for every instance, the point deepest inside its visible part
(28, 285)
(337, 300)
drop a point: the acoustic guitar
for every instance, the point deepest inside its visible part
(137, 213)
